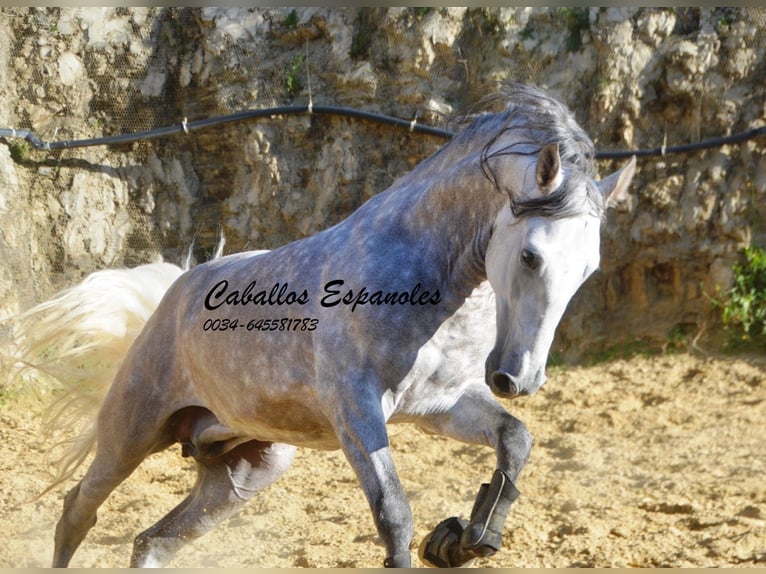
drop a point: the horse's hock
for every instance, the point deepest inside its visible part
(635, 78)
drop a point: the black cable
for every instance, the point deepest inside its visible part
(686, 148)
(187, 127)
(412, 126)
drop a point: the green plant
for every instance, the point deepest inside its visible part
(555, 359)
(577, 21)
(744, 305)
(8, 395)
(19, 150)
(364, 28)
(680, 337)
(293, 83)
(527, 33)
(725, 21)
(291, 21)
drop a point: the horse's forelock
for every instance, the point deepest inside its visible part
(564, 201)
(545, 121)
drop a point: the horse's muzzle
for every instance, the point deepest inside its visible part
(503, 385)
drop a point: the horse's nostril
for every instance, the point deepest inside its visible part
(502, 384)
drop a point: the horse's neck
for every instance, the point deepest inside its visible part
(458, 216)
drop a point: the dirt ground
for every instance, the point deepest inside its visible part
(649, 461)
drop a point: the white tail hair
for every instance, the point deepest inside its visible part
(79, 338)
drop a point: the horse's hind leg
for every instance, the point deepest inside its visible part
(223, 486)
(109, 468)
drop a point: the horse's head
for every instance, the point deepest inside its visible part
(542, 249)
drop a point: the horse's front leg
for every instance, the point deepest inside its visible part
(477, 418)
(361, 429)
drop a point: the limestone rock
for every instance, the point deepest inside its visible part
(634, 78)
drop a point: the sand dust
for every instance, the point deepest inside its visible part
(647, 462)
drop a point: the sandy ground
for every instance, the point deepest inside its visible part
(650, 461)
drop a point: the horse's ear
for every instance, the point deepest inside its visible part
(614, 187)
(548, 170)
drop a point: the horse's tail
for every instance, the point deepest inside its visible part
(79, 339)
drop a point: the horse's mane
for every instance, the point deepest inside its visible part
(546, 121)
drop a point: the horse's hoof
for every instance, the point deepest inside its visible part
(441, 548)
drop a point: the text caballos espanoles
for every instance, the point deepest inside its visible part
(333, 294)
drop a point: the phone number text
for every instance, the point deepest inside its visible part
(306, 324)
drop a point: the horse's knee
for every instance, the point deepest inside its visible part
(514, 446)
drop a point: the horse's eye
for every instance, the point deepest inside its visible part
(530, 259)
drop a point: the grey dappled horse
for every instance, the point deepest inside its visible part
(323, 341)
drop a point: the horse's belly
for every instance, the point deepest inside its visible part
(267, 400)
(284, 422)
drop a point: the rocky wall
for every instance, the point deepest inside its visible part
(635, 78)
